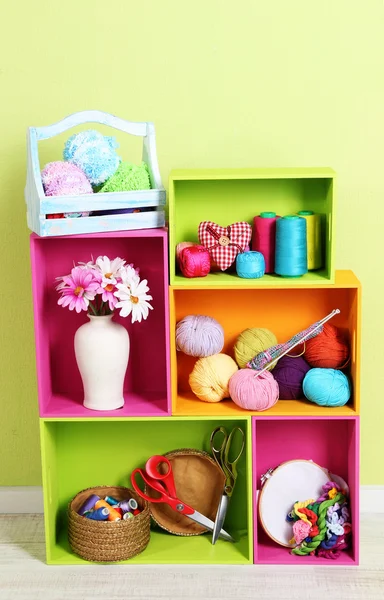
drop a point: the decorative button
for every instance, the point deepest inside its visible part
(224, 240)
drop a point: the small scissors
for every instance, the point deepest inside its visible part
(221, 456)
(164, 483)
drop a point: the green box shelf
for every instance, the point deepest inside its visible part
(80, 453)
(228, 195)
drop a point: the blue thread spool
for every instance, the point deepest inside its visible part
(291, 246)
(111, 501)
(100, 514)
(88, 504)
(250, 265)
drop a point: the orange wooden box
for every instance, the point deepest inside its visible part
(283, 311)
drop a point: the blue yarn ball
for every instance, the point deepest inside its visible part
(327, 387)
(250, 265)
(94, 153)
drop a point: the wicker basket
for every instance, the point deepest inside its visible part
(104, 541)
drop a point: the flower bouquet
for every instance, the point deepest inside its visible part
(102, 346)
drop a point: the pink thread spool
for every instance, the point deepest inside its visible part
(264, 236)
(195, 261)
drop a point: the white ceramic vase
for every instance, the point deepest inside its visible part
(102, 353)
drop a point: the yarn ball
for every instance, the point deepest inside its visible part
(328, 350)
(94, 153)
(250, 265)
(327, 387)
(210, 377)
(65, 179)
(180, 247)
(199, 336)
(128, 177)
(195, 261)
(289, 374)
(250, 342)
(253, 392)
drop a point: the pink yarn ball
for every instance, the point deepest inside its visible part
(180, 247)
(195, 261)
(64, 179)
(251, 392)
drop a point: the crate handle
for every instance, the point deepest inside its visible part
(91, 116)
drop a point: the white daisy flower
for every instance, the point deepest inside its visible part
(109, 269)
(133, 299)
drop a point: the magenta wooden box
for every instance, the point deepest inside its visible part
(147, 383)
(332, 442)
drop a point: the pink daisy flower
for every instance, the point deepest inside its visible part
(77, 289)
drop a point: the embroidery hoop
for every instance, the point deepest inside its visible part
(291, 481)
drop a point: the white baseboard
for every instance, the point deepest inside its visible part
(16, 500)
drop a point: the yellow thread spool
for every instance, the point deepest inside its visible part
(314, 245)
(113, 514)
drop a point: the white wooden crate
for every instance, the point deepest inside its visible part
(39, 205)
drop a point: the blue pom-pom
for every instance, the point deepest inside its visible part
(94, 153)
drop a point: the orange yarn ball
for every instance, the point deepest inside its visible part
(327, 350)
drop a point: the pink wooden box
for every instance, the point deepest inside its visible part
(147, 383)
(332, 442)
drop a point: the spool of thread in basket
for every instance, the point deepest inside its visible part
(291, 246)
(113, 514)
(314, 246)
(264, 236)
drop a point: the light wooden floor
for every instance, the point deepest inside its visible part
(23, 574)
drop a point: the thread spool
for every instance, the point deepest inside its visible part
(251, 342)
(88, 504)
(133, 505)
(100, 514)
(264, 236)
(111, 501)
(289, 374)
(291, 246)
(195, 261)
(199, 335)
(210, 377)
(314, 242)
(327, 387)
(113, 514)
(250, 265)
(251, 392)
(127, 516)
(119, 511)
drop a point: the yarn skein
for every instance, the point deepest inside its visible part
(329, 349)
(199, 336)
(250, 265)
(195, 261)
(327, 387)
(289, 373)
(180, 247)
(210, 377)
(251, 342)
(291, 246)
(264, 236)
(251, 392)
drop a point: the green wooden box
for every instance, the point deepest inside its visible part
(228, 195)
(82, 453)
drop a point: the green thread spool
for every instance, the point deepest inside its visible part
(314, 242)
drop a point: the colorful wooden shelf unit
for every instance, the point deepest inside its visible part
(228, 195)
(59, 383)
(39, 205)
(71, 462)
(82, 448)
(285, 311)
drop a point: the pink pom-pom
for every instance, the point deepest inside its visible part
(195, 261)
(251, 392)
(64, 179)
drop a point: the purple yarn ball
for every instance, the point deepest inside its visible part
(289, 374)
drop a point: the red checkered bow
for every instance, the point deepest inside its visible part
(225, 243)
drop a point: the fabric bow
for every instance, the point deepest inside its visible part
(224, 243)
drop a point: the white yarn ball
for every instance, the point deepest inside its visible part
(199, 336)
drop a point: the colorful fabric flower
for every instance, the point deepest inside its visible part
(78, 289)
(133, 299)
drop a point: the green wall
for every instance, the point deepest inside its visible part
(227, 84)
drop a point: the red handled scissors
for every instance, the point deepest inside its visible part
(164, 483)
